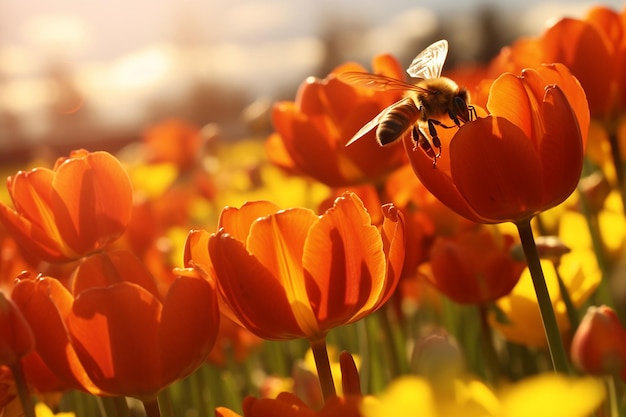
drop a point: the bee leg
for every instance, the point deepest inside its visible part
(434, 136)
(420, 139)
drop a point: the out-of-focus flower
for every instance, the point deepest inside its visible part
(544, 395)
(42, 410)
(523, 158)
(173, 140)
(311, 132)
(16, 336)
(522, 323)
(474, 267)
(599, 344)
(549, 395)
(62, 214)
(289, 405)
(115, 334)
(598, 38)
(289, 274)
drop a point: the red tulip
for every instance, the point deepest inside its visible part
(523, 158)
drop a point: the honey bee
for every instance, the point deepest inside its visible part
(425, 103)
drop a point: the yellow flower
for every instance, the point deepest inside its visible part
(42, 410)
(550, 395)
(522, 323)
(545, 395)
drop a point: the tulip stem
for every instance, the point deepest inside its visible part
(550, 326)
(322, 363)
(151, 407)
(22, 390)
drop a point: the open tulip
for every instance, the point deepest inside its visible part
(115, 334)
(312, 131)
(523, 158)
(290, 274)
(79, 207)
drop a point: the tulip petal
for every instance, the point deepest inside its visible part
(561, 149)
(92, 201)
(278, 242)
(393, 235)
(237, 221)
(115, 334)
(104, 269)
(496, 169)
(439, 183)
(255, 295)
(509, 99)
(45, 303)
(189, 325)
(344, 262)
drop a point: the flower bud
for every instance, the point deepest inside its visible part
(599, 344)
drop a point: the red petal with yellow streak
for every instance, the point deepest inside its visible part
(254, 294)
(189, 325)
(497, 170)
(394, 244)
(277, 242)
(45, 304)
(344, 262)
(92, 201)
(115, 333)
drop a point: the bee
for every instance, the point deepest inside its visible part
(425, 103)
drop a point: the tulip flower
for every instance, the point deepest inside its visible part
(596, 38)
(16, 337)
(475, 267)
(289, 274)
(292, 274)
(312, 131)
(115, 335)
(62, 214)
(523, 158)
(599, 344)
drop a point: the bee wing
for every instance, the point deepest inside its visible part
(429, 63)
(372, 123)
(376, 81)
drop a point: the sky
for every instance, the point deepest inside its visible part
(123, 53)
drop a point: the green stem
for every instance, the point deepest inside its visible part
(320, 353)
(489, 350)
(550, 326)
(22, 390)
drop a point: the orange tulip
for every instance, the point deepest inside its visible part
(175, 141)
(115, 335)
(523, 158)
(289, 274)
(474, 267)
(79, 207)
(599, 344)
(593, 48)
(311, 132)
(16, 336)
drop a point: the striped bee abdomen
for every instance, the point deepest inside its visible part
(397, 121)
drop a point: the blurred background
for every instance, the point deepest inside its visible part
(94, 74)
